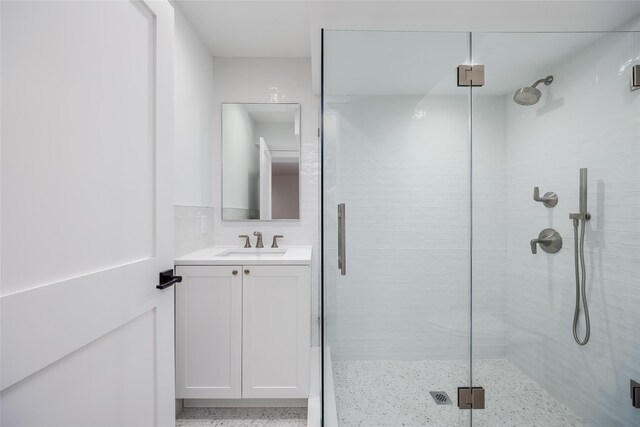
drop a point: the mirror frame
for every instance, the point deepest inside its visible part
(222, 162)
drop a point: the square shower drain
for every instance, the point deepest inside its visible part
(441, 397)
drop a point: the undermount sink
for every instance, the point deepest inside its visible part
(254, 252)
(221, 255)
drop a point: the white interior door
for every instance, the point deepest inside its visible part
(265, 180)
(86, 213)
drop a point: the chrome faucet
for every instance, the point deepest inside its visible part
(259, 241)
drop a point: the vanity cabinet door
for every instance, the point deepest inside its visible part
(276, 337)
(209, 332)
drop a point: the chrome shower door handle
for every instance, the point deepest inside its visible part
(342, 246)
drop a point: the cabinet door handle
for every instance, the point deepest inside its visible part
(234, 272)
(247, 272)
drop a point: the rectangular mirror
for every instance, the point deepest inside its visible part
(260, 161)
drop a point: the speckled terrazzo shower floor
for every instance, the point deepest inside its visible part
(396, 393)
(242, 417)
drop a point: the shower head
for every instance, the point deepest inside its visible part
(531, 94)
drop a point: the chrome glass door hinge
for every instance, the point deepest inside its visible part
(635, 394)
(635, 77)
(471, 397)
(470, 75)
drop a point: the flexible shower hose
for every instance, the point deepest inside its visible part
(580, 284)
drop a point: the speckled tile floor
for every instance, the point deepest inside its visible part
(241, 417)
(396, 393)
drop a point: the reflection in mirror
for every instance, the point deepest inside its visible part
(260, 161)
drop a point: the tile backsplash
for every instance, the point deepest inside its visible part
(193, 228)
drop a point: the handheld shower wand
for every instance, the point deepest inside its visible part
(581, 219)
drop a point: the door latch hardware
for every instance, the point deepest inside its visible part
(470, 75)
(635, 394)
(471, 397)
(167, 279)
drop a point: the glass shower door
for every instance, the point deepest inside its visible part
(396, 156)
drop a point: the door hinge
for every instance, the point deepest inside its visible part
(471, 397)
(470, 75)
(635, 77)
(635, 394)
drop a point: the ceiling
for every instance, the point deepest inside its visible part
(273, 113)
(293, 28)
(251, 28)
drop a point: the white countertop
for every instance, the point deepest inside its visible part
(225, 255)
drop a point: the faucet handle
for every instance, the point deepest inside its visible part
(247, 242)
(275, 240)
(534, 246)
(550, 199)
(549, 240)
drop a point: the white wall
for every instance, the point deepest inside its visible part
(586, 118)
(193, 149)
(194, 130)
(274, 80)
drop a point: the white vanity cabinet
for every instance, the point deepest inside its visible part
(209, 332)
(275, 332)
(243, 331)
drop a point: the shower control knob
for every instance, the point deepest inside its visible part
(549, 199)
(549, 240)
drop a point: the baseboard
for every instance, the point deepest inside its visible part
(245, 403)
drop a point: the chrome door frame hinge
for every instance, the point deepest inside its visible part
(471, 75)
(635, 394)
(471, 397)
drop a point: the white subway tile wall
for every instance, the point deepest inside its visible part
(403, 172)
(587, 118)
(193, 228)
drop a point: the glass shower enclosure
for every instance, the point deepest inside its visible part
(449, 281)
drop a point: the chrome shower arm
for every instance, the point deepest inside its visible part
(547, 81)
